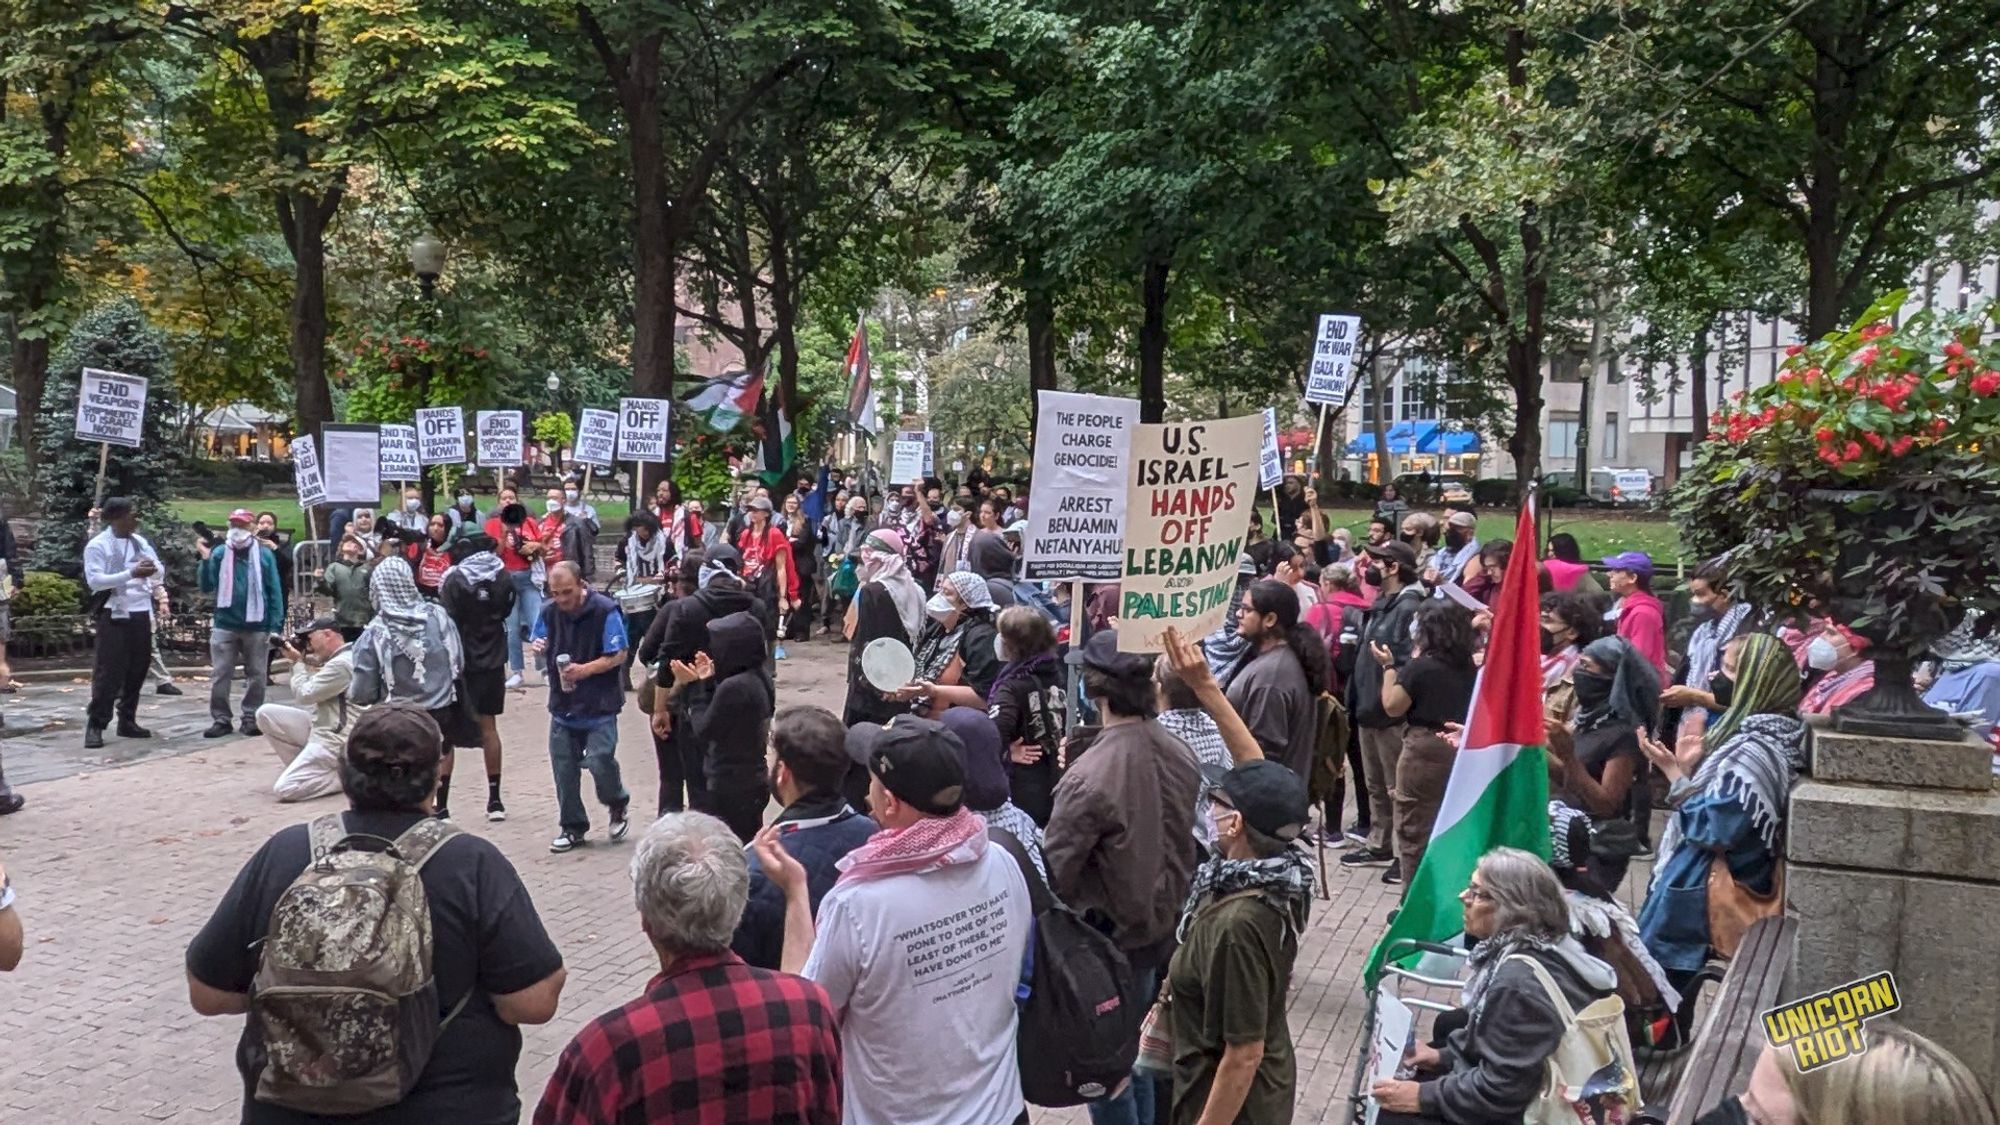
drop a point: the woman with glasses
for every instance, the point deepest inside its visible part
(1489, 1060)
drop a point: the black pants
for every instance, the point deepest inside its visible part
(1330, 809)
(680, 773)
(741, 807)
(636, 625)
(118, 667)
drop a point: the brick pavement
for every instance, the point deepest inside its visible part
(117, 868)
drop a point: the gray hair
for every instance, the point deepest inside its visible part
(690, 882)
(1340, 576)
(1526, 897)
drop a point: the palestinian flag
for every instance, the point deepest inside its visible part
(1499, 789)
(724, 401)
(861, 381)
(776, 448)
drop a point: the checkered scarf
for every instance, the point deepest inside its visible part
(404, 618)
(1285, 879)
(931, 843)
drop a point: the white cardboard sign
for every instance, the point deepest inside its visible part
(501, 439)
(111, 407)
(906, 460)
(642, 429)
(596, 438)
(305, 472)
(441, 436)
(1083, 452)
(1332, 368)
(399, 452)
(1270, 467)
(351, 464)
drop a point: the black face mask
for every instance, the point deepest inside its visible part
(1728, 1113)
(1454, 539)
(1723, 689)
(1592, 688)
(1701, 613)
(1550, 645)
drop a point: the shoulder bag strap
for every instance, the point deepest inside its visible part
(1040, 898)
(421, 840)
(1550, 986)
(323, 834)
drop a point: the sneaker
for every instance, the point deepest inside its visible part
(219, 729)
(169, 688)
(12, 803)
(1366, 857)
(1357, 837)
(495, 810)
(1393, 876)
(619, 824)
(133, 730)
(778, 653)
(514, 681)
(565, 841)
(251, 728)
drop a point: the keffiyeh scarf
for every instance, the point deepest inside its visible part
(1705, 645)
(1286, 878)
(1009, 818)
(243, 546)
(1756, 767)
(643, 558)
(479, 567)
(405, 618)
(931, 843)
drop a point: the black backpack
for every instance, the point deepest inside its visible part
(1080, 1012)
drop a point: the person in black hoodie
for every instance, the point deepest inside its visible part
(712, 587)
(732, 721)
(479, 597)
(818, 826)
(1490, 1059)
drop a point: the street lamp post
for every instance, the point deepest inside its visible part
(427, 256)
(554, 384)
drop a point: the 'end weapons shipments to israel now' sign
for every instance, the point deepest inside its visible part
(1187, 513)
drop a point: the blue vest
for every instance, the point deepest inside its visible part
(581, 636)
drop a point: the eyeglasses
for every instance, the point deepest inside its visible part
(1475, 893)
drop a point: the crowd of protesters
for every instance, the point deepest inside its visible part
(861, 953)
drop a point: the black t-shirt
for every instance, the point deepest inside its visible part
(1439, 693)
(486, 939)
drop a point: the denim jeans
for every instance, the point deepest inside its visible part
(1135, 1105)
(521, 619)
(226, 649)
(571, 751)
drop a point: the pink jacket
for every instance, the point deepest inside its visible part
(1643, 621)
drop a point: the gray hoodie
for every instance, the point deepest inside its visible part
(1495, 1065)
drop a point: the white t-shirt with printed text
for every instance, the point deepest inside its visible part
(922, 970)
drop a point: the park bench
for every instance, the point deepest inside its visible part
(1686, 1084)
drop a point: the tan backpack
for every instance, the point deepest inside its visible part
(344, 1009)
(1592, 1075)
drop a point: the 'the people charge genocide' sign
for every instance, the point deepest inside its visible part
(441, 435)
(1083, 451)
(110, 407)
(1187, 513)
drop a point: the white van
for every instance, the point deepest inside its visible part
(1621, 487)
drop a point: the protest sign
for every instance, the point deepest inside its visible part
(1187, 513)
(906, 459)
(305, 472)
(596, 438)
(1332, 368)
(642, 429)
(1083, 451)
(929, 441)
(501, 442)
(110, 407)
(441, 436)
(1270, 468)
(399, 452)
(351, 464)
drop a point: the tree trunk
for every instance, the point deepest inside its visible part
(306, 234)
(1385, 460)
(1040, 314)
(1698, 384)
(29, 357)
(653, 246)
(1524, 353)
(1831, 108)
(1153, 340)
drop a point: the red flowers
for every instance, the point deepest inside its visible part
(1867, 356)
(1955, 350)
(1876, 331)
(1901, 446)
(1795, 350)
(1986, 383)
(1824, 434)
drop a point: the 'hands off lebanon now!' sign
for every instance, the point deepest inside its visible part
(1187, 513)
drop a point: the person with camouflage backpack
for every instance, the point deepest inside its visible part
(385, 961)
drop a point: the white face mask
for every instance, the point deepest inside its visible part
(554, 506)
(1000, 649)
(1821, 655)
(569, 494)
(412, 504)
(239, 537)
(464, 501)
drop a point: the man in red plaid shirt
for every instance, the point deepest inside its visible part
(712, 1040)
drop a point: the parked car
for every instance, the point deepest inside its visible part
(1621, 488)
(1454, 489)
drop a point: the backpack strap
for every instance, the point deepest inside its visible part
(322, 835)
(421, 840)
(1040, 898)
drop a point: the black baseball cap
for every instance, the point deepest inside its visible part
(1101, 653)
(1270, 796)
(920, 761)
(1396, 551)
(323, 621)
